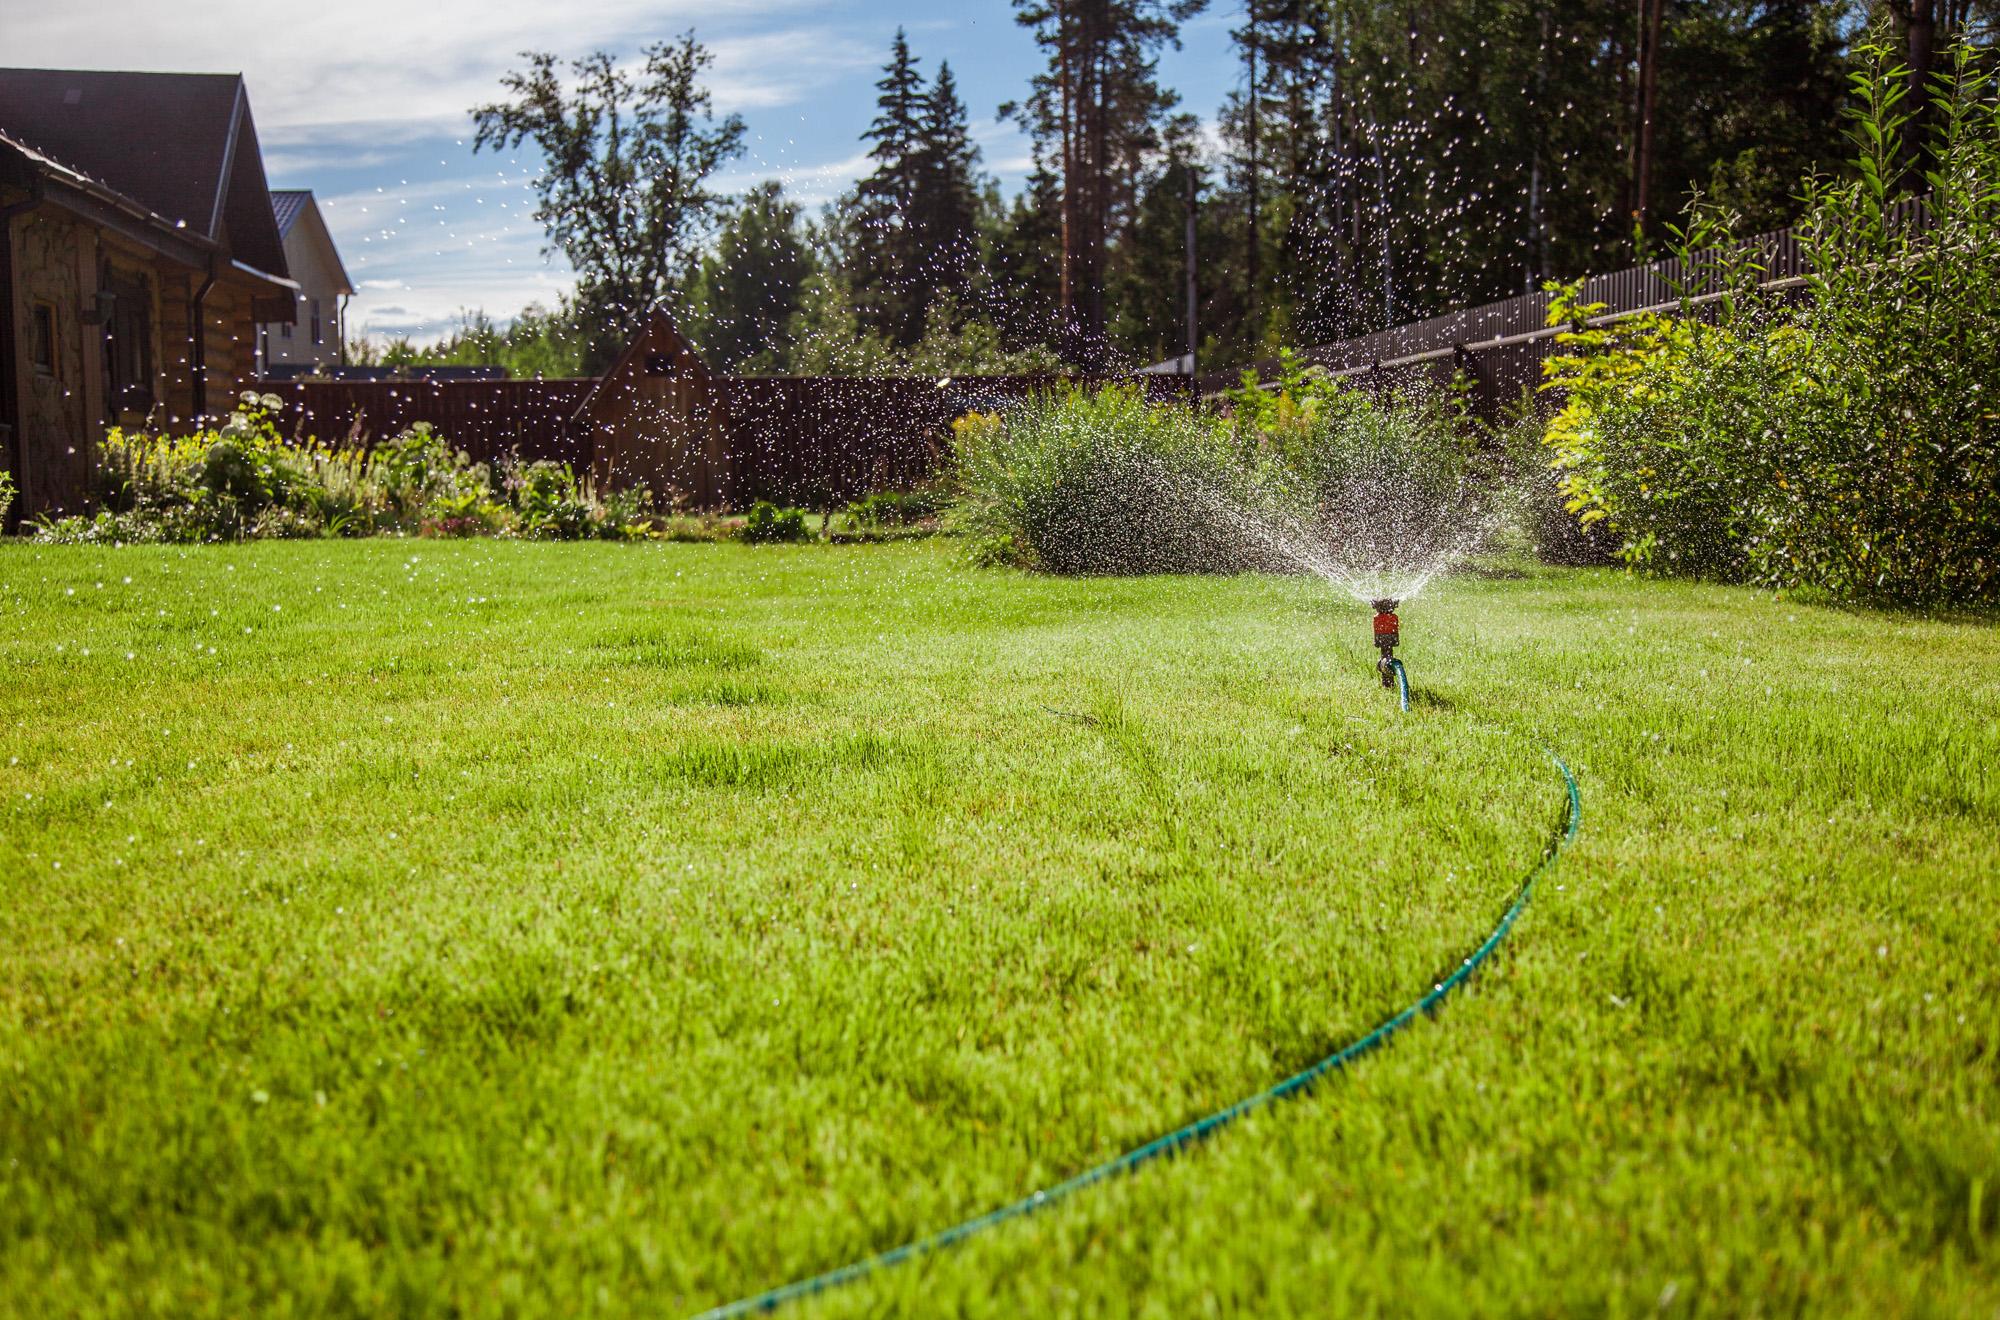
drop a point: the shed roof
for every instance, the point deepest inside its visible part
(656, 332)
(182, 144)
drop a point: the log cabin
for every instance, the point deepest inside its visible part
(138, 254)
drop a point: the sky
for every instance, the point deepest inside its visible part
(367, 103)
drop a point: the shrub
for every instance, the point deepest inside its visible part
(1100, 482)
(549, 501)
(244, 480)
(1664, 436)
(6, 492)
(767, 524)
(1307, 474)
(1850, 444)
(896, 508)
(1385, 477)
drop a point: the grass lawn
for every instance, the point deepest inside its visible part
(502, 928)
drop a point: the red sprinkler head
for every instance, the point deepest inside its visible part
(1387, 626)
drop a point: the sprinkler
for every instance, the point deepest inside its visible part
(1388, 631)
(1387, 634)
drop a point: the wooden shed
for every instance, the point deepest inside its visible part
(657, 417)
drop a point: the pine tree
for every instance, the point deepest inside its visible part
(943, 223)
(1096, 111)
(753, 284)
(897, 132)
(1149, 288)
(1024, 289)
(886, 287)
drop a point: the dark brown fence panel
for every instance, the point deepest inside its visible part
(816, 440)
(489, 419)
(794, 439)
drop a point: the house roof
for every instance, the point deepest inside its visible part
(288, 204)
(291, 205)
(181, 144)
(23, 166)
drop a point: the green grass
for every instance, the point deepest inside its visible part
(510, 929)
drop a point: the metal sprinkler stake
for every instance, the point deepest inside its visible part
(1387, 634)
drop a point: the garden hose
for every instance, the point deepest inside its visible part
(1183, 1137)
(1395, 667)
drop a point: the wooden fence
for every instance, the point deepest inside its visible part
(1500, 346)
(489, 419)
(825, 439)
(808, 440)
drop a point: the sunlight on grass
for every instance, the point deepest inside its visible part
(500, 927)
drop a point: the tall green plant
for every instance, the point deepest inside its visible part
(1849, 443)
(246, 480)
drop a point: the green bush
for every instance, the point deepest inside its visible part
(1849, 444)
(1101, 482)
(1308, 473)
(896, 508)
(1656, 439)
(767, 524)
(1373, 479)
(244, 480)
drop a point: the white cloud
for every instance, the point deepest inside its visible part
(377, 70)
(380, 90)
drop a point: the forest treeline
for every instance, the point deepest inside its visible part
(1377, 163)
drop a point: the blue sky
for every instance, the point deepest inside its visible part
(365, 103)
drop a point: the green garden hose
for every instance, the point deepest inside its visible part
(1402, 681)
(1181, 1138)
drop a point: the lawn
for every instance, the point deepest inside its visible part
(504, 928)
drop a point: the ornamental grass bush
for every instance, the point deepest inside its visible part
(1099, 482)
(1109, 482)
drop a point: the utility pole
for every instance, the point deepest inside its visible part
(1649, 79)
(1193, 303)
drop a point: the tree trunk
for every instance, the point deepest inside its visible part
(1252, 239)
(1649, 78)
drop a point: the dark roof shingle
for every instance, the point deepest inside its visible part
(288, 204)
(183, 144)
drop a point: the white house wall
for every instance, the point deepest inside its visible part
(314, 263)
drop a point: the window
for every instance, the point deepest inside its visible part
(128, 343)
(318, 338)
(284, 329)
(42, 338)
